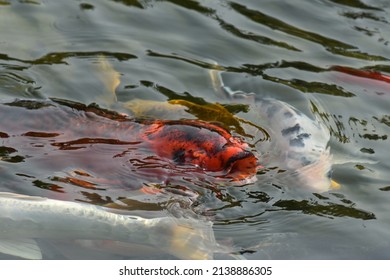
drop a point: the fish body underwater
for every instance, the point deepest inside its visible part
(48, 140)
(298, 144)
(25, 218)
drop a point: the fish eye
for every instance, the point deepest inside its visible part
(329, 174)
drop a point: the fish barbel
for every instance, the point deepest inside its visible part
(25, 218)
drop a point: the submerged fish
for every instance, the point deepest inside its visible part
(25, 218)
(298, 145)
(368, 74)
(61, 136)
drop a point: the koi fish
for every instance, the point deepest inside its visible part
(56, 134)
(204, 145)
(26, 218)
(298, 145)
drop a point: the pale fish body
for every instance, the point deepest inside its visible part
(298, 144)
(25, 218)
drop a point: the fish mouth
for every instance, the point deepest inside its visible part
(241, 166)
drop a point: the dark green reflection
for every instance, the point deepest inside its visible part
(5, 155)
(385, 189)
(311, 87)
(29, 104)
(193, 5)
(355, 4)
(86, 6)
(385, 120)
(259, 70)
(202, 64)
(254, 37)
(364, 15)
(60, 57)
(121, 203)
(48, 186)
(333, 46)
(131, 3)
(172, 95)
(378, 68)
(330, 209)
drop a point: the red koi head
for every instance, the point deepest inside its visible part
(203, 145)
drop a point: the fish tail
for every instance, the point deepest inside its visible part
(193, 240)
(187, 238)
(109, 77)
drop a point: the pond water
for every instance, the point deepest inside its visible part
(300, 52)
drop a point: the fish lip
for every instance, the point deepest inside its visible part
(239, 156)
(233, 169)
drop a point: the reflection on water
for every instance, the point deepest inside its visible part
(329, 59)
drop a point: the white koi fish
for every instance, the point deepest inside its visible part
(25, 218)
(298, 145)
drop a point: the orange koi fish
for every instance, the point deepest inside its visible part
(56, 143)
(203, 145)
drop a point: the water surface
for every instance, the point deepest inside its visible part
(286, 50)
